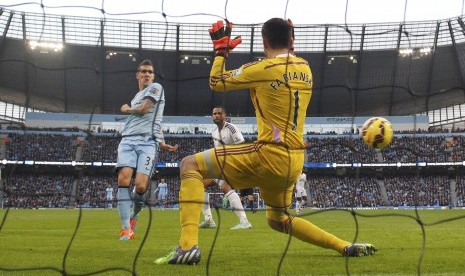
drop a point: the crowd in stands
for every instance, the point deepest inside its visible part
(44, 147)
(349, 149)
(100, 148)
(32, 190)
(29, 190)
(460, 190)
(51, 190)
(37, 190)
(424, 148)
(92, 191)
(344, 191)
(339, 150)
(187, 146)
(409, 190)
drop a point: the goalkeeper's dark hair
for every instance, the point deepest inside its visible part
(277, 32)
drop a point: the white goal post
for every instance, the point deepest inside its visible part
(216, 198)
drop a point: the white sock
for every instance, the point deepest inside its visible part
(236, 204)
(297, 205)
(206, 211)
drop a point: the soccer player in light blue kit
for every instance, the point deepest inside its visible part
(109, 191)
(137, 151)
(162, 192)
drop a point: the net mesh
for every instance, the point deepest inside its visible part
(356, 64)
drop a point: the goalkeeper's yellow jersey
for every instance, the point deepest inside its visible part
(280, 88)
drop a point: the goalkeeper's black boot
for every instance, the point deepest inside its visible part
(359, 250)
(178, 256)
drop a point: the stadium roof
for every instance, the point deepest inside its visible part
(87, 65)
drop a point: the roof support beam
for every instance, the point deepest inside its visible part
(100, 107)
(456, 51)
(431, 66)
(323, 64)
(394, 68)
(27, 61)
(359, 69)
(5, 31)
(65, 69)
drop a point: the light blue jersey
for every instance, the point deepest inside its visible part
(162, 191)
(149, 124)
(142, 132)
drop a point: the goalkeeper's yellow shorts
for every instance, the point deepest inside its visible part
(271, 168)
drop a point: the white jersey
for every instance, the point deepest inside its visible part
(300, 186)
(229, 135)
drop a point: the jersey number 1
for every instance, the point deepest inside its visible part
(296, 109)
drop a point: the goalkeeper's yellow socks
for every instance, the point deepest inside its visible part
(308, 232)
(191, 201)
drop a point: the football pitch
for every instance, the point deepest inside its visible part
(85, 242)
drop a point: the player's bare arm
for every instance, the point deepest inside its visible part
(168, 147)
(142, 108)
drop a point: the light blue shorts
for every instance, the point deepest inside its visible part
(140, 155)
(162, 196)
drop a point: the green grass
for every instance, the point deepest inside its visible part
(38, 242)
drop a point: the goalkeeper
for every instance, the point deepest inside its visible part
(280, 89)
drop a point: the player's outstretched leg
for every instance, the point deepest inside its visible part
(207, 223)
(191, 201)
(297, 207)
(236, 204)
(139, 202)
(124, 206)
(207, 213)
(302, 204)
(308, 232)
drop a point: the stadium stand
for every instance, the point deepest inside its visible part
(44, 186)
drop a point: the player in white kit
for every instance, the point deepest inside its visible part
(225, 134)
(300, 193)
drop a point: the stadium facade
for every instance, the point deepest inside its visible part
(86, 65)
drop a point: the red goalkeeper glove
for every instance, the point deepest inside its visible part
(221, 37)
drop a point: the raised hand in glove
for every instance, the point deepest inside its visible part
(221, 37)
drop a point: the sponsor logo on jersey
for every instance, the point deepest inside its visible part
(237, 72)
